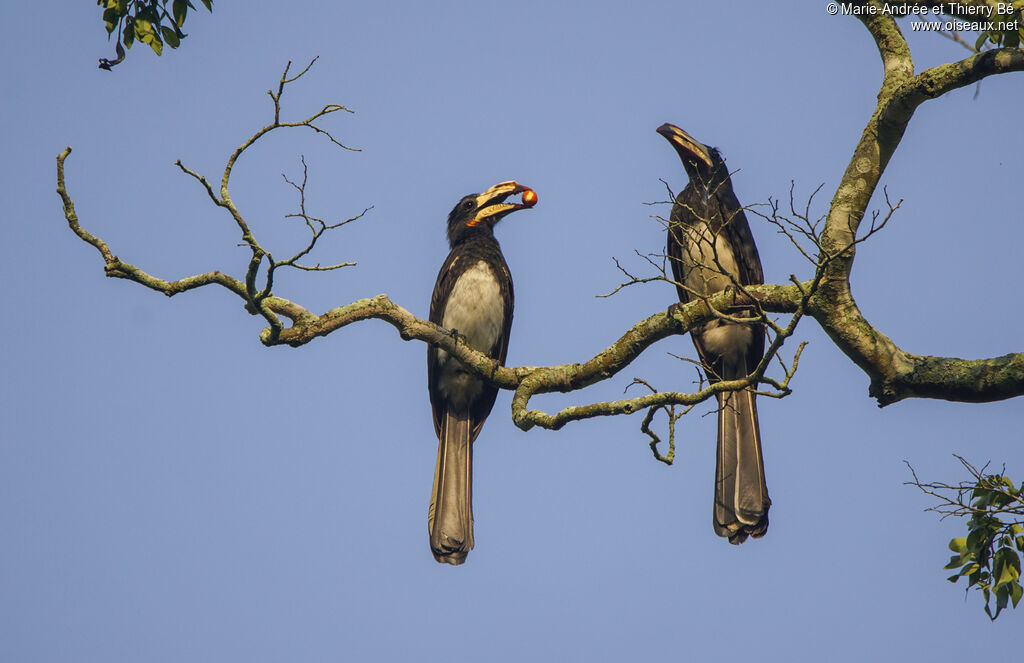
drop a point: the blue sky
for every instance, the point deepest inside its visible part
(172, 490)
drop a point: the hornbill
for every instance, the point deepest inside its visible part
(473, 299)
(710, 248)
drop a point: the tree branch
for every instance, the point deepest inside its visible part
(827, 297)
(526, 381)
(896, 374)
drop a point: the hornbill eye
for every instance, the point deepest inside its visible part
(468, 205)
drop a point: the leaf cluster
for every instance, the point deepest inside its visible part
(148, 21)
(989, 555)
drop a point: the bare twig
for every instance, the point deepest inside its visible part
(316, 226)
(645, 425)
(255, 296)
(957, 499)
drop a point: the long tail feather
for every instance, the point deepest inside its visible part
(741, 494)
(450, 518)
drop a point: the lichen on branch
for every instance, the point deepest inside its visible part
(826, 297)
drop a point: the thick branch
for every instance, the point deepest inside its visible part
(896, 374)
(526, 381)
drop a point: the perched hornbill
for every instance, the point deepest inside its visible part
(709, 246)
(473, 299)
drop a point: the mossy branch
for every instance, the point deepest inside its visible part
(896, 374)
(525, 381)
(826, 297)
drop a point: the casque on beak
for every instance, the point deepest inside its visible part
(492, 201)
(686, 145)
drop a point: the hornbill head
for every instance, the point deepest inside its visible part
(702, 163)
(479, 212)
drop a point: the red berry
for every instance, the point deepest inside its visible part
(529, 197)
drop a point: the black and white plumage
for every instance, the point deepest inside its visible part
(473, 298)
(709, 246)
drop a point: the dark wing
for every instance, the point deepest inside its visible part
(446, 278)
(742, 240)
(747, 260)
(674, 246)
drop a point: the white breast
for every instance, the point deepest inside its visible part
(704, 275)
(476, 311)
(700, 251)
(475, 307)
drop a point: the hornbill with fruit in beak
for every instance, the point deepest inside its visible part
(473, 299)
(710, 248)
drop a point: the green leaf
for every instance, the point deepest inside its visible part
(953, 579)
(128, 36)
(145, 33)
(180, 9)
(1000, 498)
(977, 538)
(149, 13)
(1007, 576)
(955, 562)
(1002, 598)
(983, 497)
(208, 4)
(170, 37)
(958, 545)
(111, 17)
(1015, 593)
(998, 572)
(969, 569)
(1011, 563)
(982, 38)
(143, 30)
